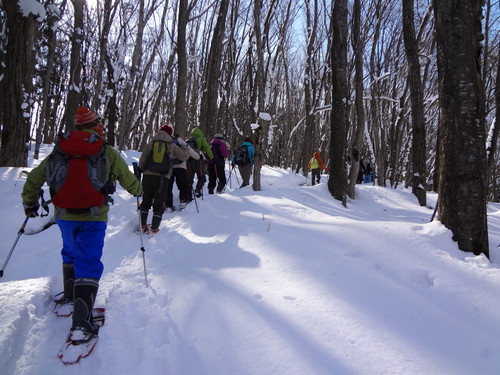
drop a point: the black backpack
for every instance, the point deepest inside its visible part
(159, 160)
(241, 156)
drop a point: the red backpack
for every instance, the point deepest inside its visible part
(76, 172)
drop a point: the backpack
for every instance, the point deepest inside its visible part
(176, 161)
(159, 160)
(192, 143)
(241, 156)
(76, 172)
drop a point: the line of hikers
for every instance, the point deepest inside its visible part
(81, 173)
(169, 159)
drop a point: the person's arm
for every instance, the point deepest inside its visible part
(34, 182)
(124, 176)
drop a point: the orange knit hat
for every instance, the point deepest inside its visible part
(84, 116)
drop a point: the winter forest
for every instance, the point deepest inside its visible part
(407, 86)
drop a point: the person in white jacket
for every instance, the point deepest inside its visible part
(180, 176)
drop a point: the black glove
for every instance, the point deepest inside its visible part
(31, 209)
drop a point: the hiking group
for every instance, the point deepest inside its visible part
(81, 172)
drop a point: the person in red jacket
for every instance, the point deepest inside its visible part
(316, 165)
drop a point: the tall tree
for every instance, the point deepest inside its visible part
(359, 127)
(74, 89)
(462, 184)
(16, 84)
(337, 184)
(210, 96)
(418, 149)
(180, 98)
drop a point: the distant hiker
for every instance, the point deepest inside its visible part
(243, 158)
(81, 208)
(316, 165)
(197, 167)
(368, 173)
(156, 166)
(179, 174)
(216, 170)
(361, 172)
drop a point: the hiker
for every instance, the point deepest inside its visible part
(361, 172)
(216, 170)
(243, 158)
(368, 174)
(179, 174)
(316, 165)
(197, 167)
(81, 210)
(156, 167)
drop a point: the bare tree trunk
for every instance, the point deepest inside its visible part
(74, 92)
(127, 116)
(209, 110)
(16, 86)
(359, 104)
(309, 81)
(462, 184)
(180, 99)
(52, 18)
(108, 15)
(418, 150)
(257, 95)
(338, 176)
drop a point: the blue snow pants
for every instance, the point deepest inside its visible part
(83, 242)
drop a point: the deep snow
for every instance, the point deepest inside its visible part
(281, 281)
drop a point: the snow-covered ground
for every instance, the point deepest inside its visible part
(281, 281)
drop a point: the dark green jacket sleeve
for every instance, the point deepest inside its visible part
(34, 182)
(120, 170)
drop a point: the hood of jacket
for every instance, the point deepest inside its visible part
(316, 154)
(197, 133)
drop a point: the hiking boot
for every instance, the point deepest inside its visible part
(145, 229)
(85, 294)
(68, 281)
(156, 222)
(198, 193)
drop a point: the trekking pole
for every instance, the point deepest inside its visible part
(142, 244)
(137, 174)
(21, 231)
(194, 197)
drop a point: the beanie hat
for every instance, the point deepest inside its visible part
(83, 116)
(167, 128)
(219, 135)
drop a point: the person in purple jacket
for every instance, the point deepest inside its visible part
(216, 166)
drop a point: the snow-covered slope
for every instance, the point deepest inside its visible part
(281, 281)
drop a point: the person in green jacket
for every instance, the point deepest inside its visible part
(198, 167)
(82, 230)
